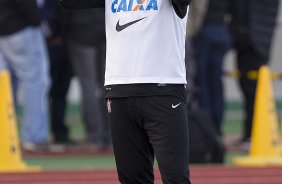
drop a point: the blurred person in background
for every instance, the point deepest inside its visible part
(60, 68)
(210, 40)
(86, 42)
(22, 49)
(252, 26)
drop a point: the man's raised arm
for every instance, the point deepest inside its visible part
(82, 4)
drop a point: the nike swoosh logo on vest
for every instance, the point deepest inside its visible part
(124, 26)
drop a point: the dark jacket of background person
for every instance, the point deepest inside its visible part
(12, 21)
(255, 27)
(81, 26)
(216, 11)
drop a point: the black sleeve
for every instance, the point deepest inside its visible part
(82, 4)
(180, 7)
(29, 11)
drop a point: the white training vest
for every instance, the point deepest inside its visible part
(145, 42)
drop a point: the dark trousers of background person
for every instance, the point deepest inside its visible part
(210, 46)
(61, 74)
(89, 66)
(248, 60)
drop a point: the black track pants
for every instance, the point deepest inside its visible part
(145, 127)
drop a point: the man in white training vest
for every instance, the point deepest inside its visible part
(145, 86)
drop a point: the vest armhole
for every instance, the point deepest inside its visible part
(180, 11)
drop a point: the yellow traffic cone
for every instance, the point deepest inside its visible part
(266, 147)
(10, 153)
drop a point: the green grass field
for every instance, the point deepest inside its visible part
(232, 126)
